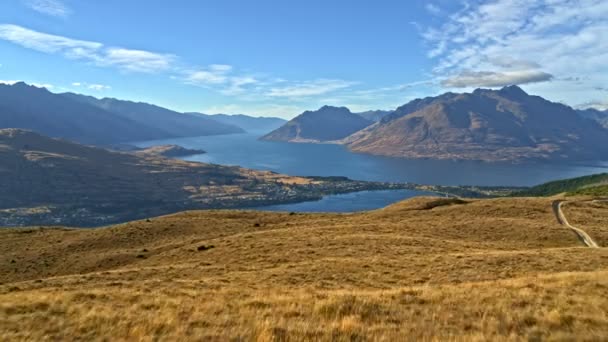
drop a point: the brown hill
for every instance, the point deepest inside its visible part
(326, 124)
(506, 124)
(500, 269)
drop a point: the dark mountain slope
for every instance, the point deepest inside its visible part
(326, 124)
(173, 123)
(29, 107)
(600, 116)
(100, 122)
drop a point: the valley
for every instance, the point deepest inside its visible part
(55, 182)
(294, 171)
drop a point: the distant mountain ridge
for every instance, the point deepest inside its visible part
(248, 123)
(325, 124)
(597, 115)
(174, 124)
(490, 125)
(29, 107)
(90, 120)
(375, 115)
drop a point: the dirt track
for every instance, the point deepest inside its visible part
(582, 235)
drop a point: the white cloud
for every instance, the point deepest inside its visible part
(94, 52)
(91, 86)
(137, 60)
(8, 82)
(222, 78)
(54, 8)
(492, 79)
(44, 42)
(42, 85)
(237, 85)
(98, 87)
(226, 81)
(498, 42)
(206, 77)
(310, 88)
(595, 104)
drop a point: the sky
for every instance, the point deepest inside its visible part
(279, 58)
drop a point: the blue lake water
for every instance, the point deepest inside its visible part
(356, 201)
(335, 160)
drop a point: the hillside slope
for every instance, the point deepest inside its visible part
(481, 270)
(37, 109)
(89, 120)
(501, 125)
(579, 185)
(326, 124)
(174, 124)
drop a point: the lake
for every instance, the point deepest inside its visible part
(351, 202)
(334, 160)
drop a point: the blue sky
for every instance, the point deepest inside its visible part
(278, 58)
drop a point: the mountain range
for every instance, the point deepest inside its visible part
(106, 121)
(489, 125)
(248, 123)
(374, 115)
(326, 124)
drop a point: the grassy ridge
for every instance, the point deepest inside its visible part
(577, 186)
(423, 269)
(595, 191)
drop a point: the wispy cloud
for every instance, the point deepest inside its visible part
(91, 86)
(309, 88)
(55, 8)
(222, 78)
(94, 52)
(213, 75)
(595, 104)
(541, 38)
(98, 87)
(268, 110)
(137, 60)
(433, 9)
(46, 42)
(238, 85)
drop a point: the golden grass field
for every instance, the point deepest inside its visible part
(500, 269)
